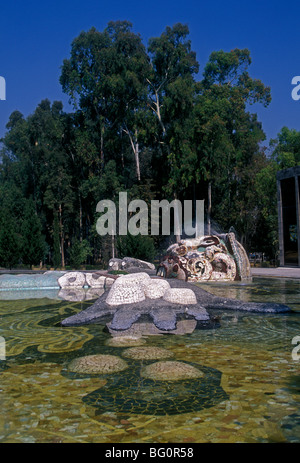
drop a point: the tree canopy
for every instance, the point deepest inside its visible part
(145, 122)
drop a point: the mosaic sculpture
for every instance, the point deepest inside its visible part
(129, 263)
(135, 295)
(206, 258)
(126, 304)
(161, 388)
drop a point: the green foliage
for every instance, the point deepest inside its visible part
(33, 243)
(79, 252)
(56, 243)
(142, 123)
(139, 247)
(286, 148)
(9, 241)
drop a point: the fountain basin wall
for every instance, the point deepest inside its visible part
(71, 286)
(31, 281)
(54, 280)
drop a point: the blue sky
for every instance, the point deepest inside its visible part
(35, 37)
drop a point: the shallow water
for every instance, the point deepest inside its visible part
(249, 391)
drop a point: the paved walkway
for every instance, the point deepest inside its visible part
(279, 272)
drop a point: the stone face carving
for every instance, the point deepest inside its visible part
(206, 258)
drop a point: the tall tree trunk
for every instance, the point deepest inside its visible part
(122, 153)
(102, 147)
(156, 107)
(56, 242)
(61, 237)
(135, 149)
(80, 218)
(137, 156)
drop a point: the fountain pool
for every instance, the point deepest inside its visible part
(247, 389)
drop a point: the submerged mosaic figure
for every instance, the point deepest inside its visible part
(206, 258)
(165, 387)
(190, 388)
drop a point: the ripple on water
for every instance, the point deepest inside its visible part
(246, 393)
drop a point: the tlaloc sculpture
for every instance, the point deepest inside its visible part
(206, 258)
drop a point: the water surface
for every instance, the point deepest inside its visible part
(249, 392)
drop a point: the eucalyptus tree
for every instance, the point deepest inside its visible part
(46, 127)
(9, 240)
(286, 148)
(16, 162)
(32, 240)
(105, 78)
(227, 135)
(35, 156)
(284, 153)
(171, 97)
(11, 214)
(144, 124)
